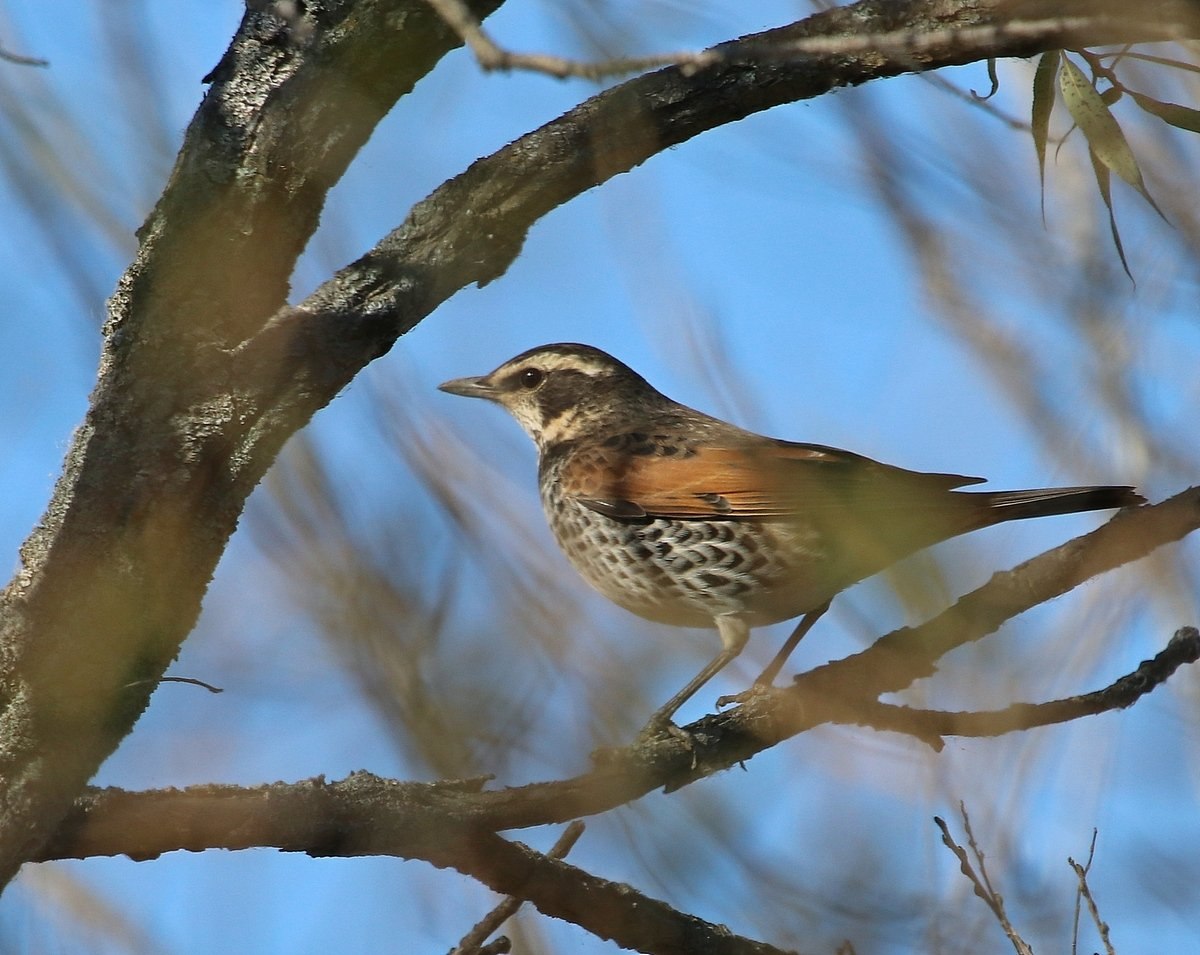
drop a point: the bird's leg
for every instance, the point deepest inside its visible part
(734, 634)
(767, 677)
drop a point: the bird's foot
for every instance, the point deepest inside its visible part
(756, 689)
(662, 729)
(657, 732)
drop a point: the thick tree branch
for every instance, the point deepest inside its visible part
(158, 473)
(366, 815)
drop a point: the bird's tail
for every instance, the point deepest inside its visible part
(1048, 501)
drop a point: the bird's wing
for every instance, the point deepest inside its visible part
(760, 479)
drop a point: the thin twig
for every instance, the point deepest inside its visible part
(981, 883)
(1157, 60)
(22, 60)
(180, 679)
(473, 942)
(491, 56)
(971, 98)
(193, 681)
(1079, 900)
(1081, 873)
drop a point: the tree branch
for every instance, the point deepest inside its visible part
(472, 943)
(141, 825)
(908, 42)
(366, 815)
(931, 726)
(112, 577)
(609, 910)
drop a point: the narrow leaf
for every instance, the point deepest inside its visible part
(1181, 117)
(1100, 128)
(1103, 183)
(1043, 102)
(993, 78)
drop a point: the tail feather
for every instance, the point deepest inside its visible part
(1046, 502)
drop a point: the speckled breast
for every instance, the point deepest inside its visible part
(686, 572)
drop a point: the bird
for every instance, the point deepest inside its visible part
(686, 519)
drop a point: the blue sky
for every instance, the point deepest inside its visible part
(763, 239)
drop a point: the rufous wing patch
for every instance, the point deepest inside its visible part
(775, 479)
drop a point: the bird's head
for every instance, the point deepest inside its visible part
(558, 392)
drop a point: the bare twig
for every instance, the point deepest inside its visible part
(980, 882)
(1081, 873)
(22, 60)
(971, 98)
(473, 942)
(490, 56)
(177, 679)
(193, 681)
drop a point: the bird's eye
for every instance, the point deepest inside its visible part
(530, 378)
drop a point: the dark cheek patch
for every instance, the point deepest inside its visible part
(562, 391)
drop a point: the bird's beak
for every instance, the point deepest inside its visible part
(470, 388)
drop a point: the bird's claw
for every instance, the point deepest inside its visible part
(660, 730)
(755, 690)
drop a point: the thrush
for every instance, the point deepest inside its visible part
(688, 520)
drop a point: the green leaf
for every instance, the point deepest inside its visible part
(1043, 102)
(993, 78)
(1103, 182)
(1100, 128)
(1182, 117)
